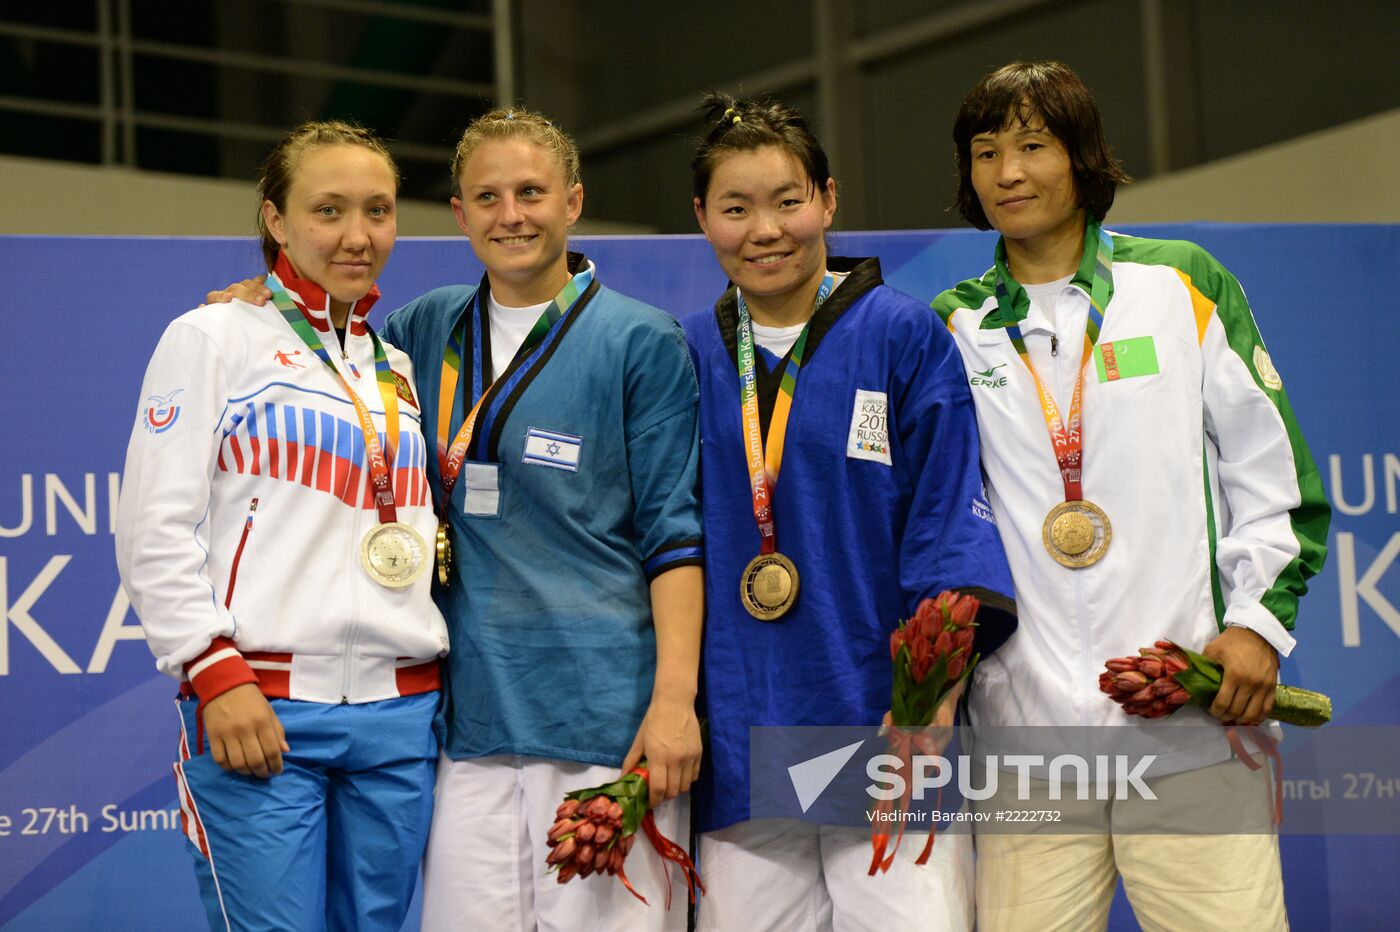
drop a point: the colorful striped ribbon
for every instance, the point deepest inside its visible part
(452, 456)
(1067, 438)
(764, 464)
(379, 458)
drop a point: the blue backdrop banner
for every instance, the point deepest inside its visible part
(89, 826)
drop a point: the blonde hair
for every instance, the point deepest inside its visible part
(509, 123)
(275, 179)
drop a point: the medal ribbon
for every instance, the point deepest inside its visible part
(1068, 438)
(764, 464)
(452, 456)
(379, 458)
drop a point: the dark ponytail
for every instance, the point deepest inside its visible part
(741, 125)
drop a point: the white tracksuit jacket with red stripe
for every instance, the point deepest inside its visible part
(245, 497)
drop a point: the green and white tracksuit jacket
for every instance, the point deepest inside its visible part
(1218, 512)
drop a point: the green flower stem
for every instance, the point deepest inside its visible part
(1295, 706)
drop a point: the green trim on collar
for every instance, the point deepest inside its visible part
(1020, 304)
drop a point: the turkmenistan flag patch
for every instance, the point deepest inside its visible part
(1123, 359)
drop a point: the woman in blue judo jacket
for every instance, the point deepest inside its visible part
(840, 486)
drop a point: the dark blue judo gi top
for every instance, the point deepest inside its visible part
(879, 503)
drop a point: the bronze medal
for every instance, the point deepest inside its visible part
(394, 554)
(769, 586)
(1077, 533)
(443, 546)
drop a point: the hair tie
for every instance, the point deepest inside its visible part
(738, 119)
(731, 116)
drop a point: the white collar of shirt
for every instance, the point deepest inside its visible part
(777, 340)
(509, 328)
(1043, 299)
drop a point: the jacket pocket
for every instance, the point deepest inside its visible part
(238, 554)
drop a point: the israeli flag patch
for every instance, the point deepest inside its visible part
(547, 448)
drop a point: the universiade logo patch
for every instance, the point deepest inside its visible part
(869, 436)
(162, 413)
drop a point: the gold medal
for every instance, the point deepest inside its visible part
(394, 554)
(443, 546)
(769, 586)
(1077, 533)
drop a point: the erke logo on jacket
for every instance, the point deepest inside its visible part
(987, 378)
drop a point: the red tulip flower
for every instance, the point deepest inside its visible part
(595, 828)
(1164, 677)
(932, 654)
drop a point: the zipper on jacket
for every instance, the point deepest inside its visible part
(238, 554)
(347, 681)
(1086, 656)
(347, 677)
(1054, 345)
(347, 673)
(346, 361)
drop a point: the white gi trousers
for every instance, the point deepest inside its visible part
(776, 875)
(485, 865)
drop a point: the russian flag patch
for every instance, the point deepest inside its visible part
(547, 448)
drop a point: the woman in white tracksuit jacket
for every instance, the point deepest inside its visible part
(1122, 381)
(271, 537)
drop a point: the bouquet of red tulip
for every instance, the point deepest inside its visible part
(1165, 677)
(594, 830)
(932, 654)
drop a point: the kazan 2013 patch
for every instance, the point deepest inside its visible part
(162, 413)
(869, 438)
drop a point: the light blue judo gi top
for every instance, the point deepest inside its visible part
(579, 488)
